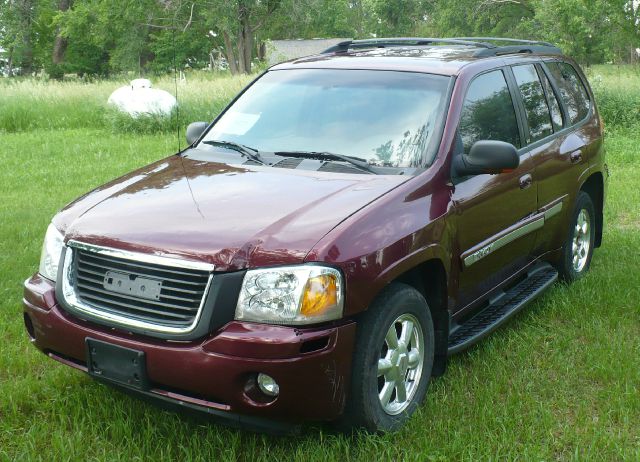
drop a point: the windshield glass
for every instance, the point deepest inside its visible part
(388, 118)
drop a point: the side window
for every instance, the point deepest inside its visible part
(535, 103)
(488, 112)
(572, 90)
(554, 106)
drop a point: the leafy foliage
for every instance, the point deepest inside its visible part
(100, 37)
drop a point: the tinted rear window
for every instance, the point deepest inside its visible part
(554, 106)
(572, 90)
(488, 113)
(535, 103)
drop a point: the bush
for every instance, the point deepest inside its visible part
(29, 104)
(617, 92)
(121, 122)
(618, 108)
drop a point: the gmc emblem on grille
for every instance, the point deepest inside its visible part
(129, 284)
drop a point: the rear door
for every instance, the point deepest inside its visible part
(561, 159)
(494, 230)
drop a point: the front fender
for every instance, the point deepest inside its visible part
(389, 237)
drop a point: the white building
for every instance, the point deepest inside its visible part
(284, 50)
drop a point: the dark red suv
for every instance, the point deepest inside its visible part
(347, 223)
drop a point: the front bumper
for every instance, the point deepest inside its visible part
(217, 373)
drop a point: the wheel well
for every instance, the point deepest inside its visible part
(430, 279)
(594, 186)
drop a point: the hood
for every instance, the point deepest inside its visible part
(233, 217)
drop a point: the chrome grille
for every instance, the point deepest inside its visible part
(175, 308)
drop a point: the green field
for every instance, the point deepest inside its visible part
(560, 382)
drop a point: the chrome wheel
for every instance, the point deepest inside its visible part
(581, 241)
(400, 364)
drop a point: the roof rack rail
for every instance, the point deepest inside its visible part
(515, 46)
(509, 40)
(345, 46)
(517, 49)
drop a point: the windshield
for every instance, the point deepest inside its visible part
(387, 118)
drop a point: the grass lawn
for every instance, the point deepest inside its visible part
(562, 381)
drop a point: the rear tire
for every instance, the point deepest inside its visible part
(578, 247)
(392, 361)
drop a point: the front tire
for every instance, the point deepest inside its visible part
(392, 361)
(578, 248)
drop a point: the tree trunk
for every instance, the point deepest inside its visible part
(59, 49)
(245, 50)
(248, 46)
(231, 58)
(245, 40)
(10, 63)
(27, 52)
(240, 41)
(60, 43)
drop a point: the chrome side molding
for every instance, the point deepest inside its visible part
(553, 210)
(502, 241)
(498, 241)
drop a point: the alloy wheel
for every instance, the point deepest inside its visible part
(400, 364)
(581, 241)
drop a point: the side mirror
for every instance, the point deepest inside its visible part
(487, 156)
(194, 130)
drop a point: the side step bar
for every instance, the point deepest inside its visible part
(502, 308)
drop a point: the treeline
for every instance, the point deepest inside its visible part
(102, 37)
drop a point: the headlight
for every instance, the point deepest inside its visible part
(302, 294)
(51, 250)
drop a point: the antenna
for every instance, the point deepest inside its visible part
(175, 79)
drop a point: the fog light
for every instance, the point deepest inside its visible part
(267, 385)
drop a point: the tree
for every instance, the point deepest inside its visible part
(397, 17)
(576, 26)
(7, 31)
(115, 31)
(26, 14)
(238, 21)
(318, 19)
(61, 42)
(16, 21)
(498, 18)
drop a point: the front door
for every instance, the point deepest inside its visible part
(495, 230)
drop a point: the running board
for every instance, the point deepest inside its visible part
(502, 308)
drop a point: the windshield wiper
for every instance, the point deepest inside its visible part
(251, 153)
(356, 162)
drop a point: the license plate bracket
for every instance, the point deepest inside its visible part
(137, 286)
(117, 364)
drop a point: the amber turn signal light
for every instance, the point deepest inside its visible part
(320, 294)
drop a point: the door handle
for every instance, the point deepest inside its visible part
(576, 156)
(525, 181)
